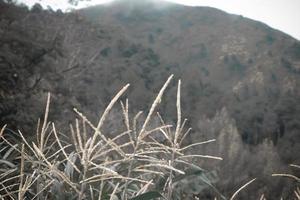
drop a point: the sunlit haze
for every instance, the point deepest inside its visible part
(283, 15)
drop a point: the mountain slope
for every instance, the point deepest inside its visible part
(224, 60)
(240, 77)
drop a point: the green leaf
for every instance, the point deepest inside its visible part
(206, 177)
(148, 196)
(195, 171)
(189, 172)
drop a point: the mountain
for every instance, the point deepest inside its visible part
(240, 77)
(224, 60)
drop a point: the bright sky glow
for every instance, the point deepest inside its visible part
(283, 15)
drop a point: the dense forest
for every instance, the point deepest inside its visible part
(240, 82)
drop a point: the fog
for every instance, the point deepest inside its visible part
(278, 14)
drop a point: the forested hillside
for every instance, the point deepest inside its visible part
(240, 79)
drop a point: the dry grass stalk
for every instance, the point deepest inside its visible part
(154, 105)
(296, 166)
(241, 188)
(288, 175)
(297, 193)
(94, 159)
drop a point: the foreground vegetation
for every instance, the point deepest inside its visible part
(140, 162)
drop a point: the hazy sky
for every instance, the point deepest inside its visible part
(283, 15)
